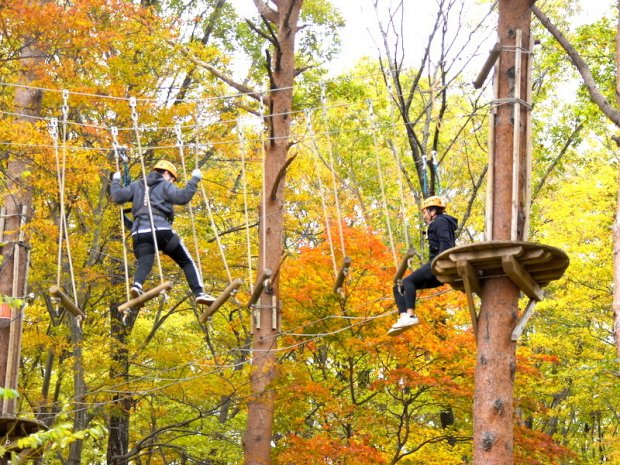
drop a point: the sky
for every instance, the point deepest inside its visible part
(360, 36)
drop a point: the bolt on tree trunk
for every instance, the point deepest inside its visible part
(496, 359)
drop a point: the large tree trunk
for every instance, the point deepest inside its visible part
(616, 228)
(258, 437)
(496, 361)
(118, 441)
(17, 212)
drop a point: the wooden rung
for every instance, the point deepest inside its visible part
(472, 284)
(344, 271)
(259, 286)
(404, 264)
(221, 299)
(527, 313)
(488, 65)
(67, 303)
(521, 278)
(143, 298)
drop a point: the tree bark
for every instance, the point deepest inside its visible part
(496, 358)
(616, 227)
(257, 441)
(17, 212)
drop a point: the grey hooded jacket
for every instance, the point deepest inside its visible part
(163, 196)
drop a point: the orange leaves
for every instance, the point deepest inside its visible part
(323, 449)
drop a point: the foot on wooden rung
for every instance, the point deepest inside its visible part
(139, 301)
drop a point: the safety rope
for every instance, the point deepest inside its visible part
(115, 147)
(332, 169)
(317, 168)
(373, 118)
(245, 204)
(134, 119)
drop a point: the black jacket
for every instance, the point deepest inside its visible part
(440, 234)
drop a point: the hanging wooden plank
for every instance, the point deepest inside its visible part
(259, 286)
(67, 303)
(404, 264)
(221, 299)
(344, 271)
(143, 298)
(488, 65)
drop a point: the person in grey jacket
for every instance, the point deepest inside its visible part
(162, 196)
(440, 236)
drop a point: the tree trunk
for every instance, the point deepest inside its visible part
(257, 441)
(616, 228)
(17, 212)
(118, 440)
(496, 359)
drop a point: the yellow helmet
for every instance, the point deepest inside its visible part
(433, 201)
(166, 165)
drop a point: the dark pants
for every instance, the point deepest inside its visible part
(422, 278)
(144, 250)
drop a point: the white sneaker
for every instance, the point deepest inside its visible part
(404, 321)
(205, 299)
(136, 290)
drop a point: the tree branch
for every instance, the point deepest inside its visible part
(612, 113)
(264, 10)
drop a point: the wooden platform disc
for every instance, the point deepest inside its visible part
(15, 428)
(542, 263)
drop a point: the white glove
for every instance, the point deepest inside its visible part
(117, 176)
(197, 174)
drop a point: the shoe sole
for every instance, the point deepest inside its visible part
(397, 331)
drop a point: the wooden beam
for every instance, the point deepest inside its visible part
(221, 299)
(143, 298)
(488, 65)
(67, 303)
(521, 278)
(404, 264)
(472, 284)
(527, 313)
(344, 271)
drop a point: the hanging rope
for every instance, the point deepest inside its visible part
(212, 220)
(134, 118)
(333, 171)
(115, 147)
(245, 204)
(264, 188)
(61, 175)
(179, 134)
(399, 176)
(373, 118)
(321, 190)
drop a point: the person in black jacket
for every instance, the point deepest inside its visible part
(440, 236)
(162, 196)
